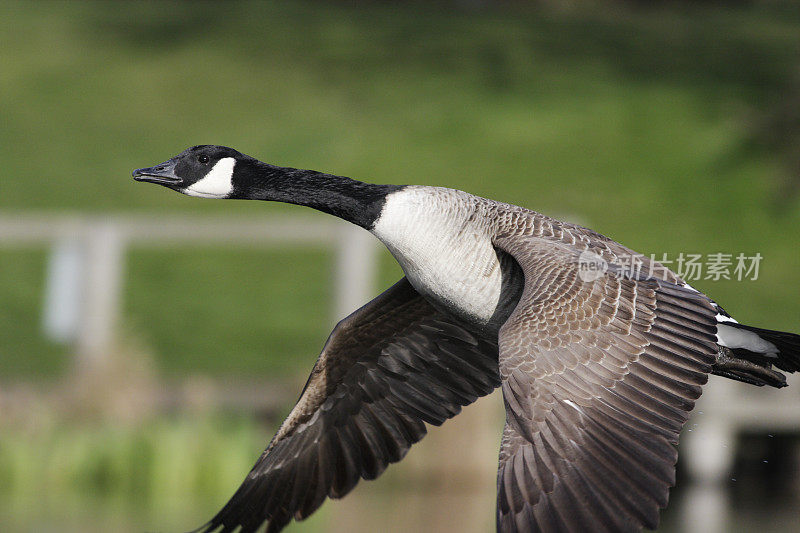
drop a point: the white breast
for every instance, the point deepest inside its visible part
(441, 241)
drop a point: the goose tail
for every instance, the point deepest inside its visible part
(786, 355)
(751, 354)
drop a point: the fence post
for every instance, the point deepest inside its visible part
(101, 295)
(356, 269)
(62, 300)
(707, 451)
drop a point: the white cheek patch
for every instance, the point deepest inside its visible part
(218, 183)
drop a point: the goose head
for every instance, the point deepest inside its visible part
(206, 171)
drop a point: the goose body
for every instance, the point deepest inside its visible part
(599, 370)
(442, 240)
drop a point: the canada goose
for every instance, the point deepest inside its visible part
(599, 369)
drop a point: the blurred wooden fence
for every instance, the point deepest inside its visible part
(87, 263)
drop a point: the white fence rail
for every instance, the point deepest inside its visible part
(87, 261)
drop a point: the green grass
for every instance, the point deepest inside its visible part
(165, 475)
(23, 350)
(241, 306)
(633, 122)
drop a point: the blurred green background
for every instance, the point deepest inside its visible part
(672, 127)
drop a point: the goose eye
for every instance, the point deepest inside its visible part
(203, 159)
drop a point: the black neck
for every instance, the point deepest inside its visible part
(351, 200)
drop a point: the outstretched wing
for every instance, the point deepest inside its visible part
(599, 373)
(386, 370)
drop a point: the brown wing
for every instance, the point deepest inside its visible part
(388, 368)
(598, 378)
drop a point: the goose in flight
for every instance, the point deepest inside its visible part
(599, 366)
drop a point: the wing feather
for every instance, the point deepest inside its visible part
(598, 378)
(386, 370)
